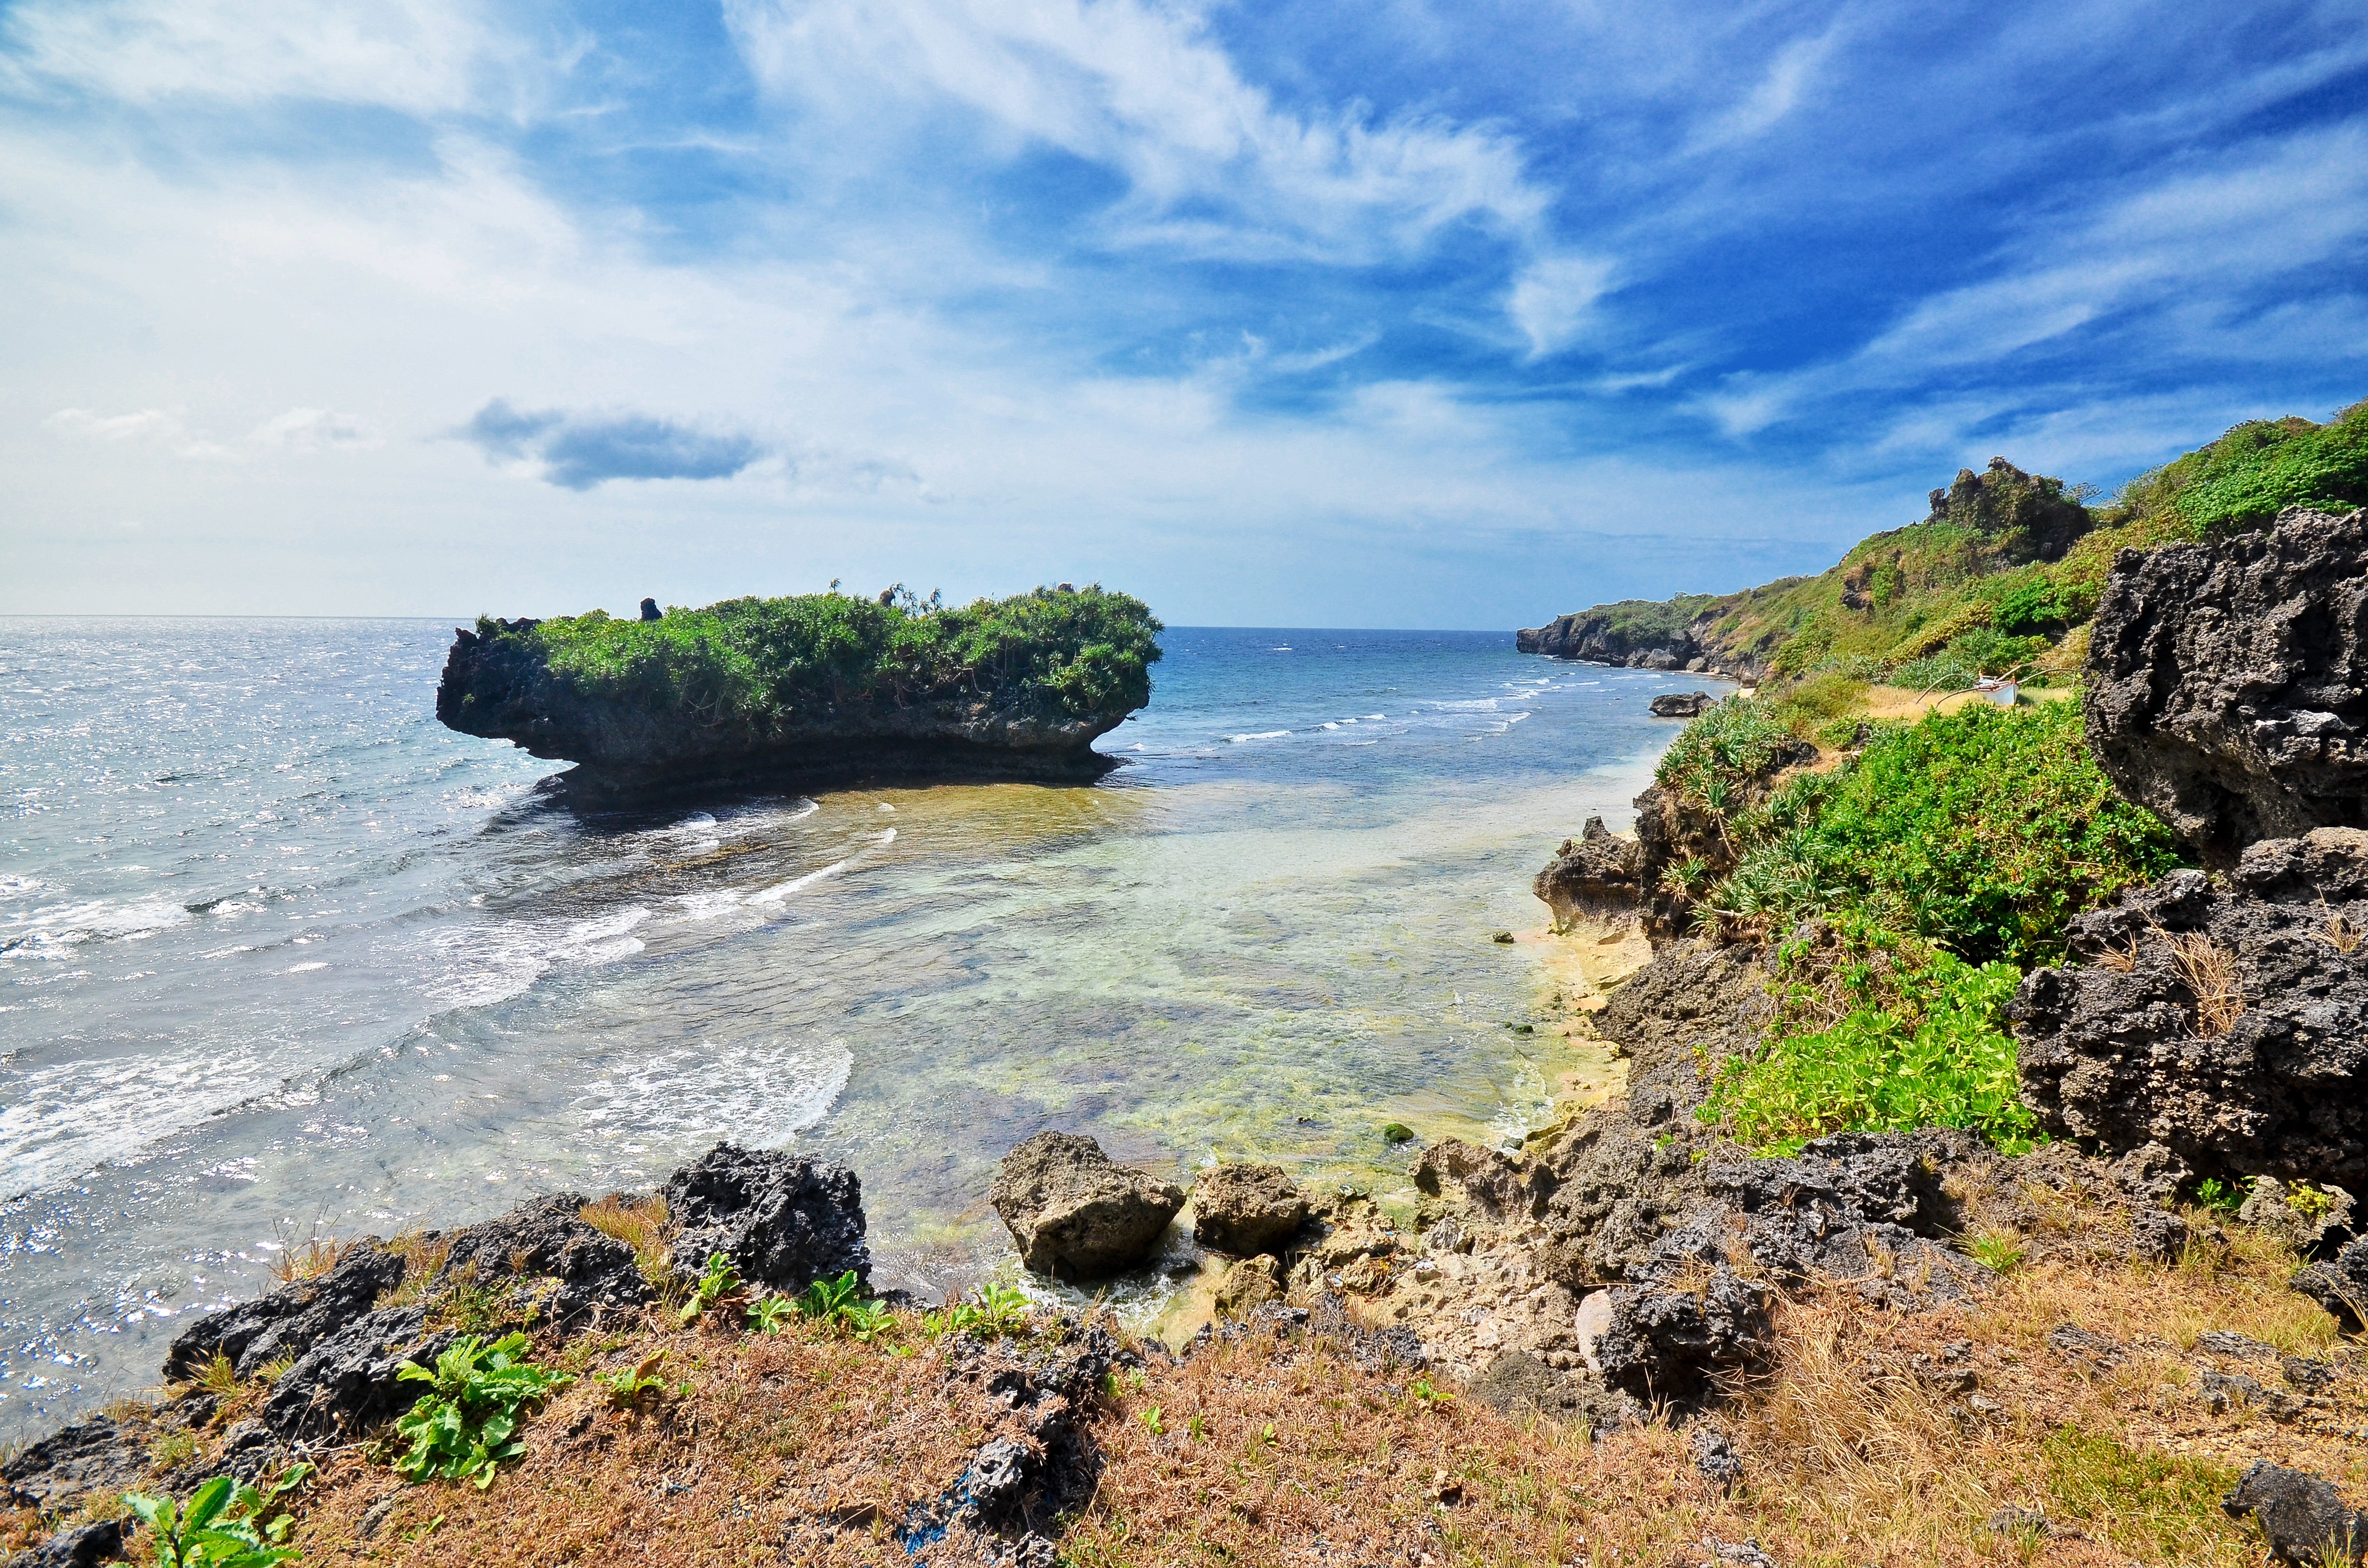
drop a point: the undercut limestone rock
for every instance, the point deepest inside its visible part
(1596, 876)
(1073, 1211)
(784, 1220)
(288, 1321)
(2228, 682)
(1246, 1209)
(2224, 1018)
(1680, 704)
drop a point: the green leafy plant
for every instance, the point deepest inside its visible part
(2220, 1197)
(1423, 1390)
(218, 1527)
(768, 1313)
(999, 1310)
(1732, 742)
(1919, 1042)
(2309, 1202)
(466, 1424)
(629, 1387)
(2001, 1252)
(867, 1321)
(1154, 1422)
(719, 1281)
(825, 1299)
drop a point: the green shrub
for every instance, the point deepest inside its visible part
(1934, 671)
(1984, 830)
(1986, 650)
(2245, 478)
(761, 662)
(224, 1524)
(466, 1424)
(2034, 607)
(1920, 1041)
(1733, 743)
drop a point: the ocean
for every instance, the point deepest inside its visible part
(281, 957)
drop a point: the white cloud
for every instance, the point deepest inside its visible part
(1214, 167)
(314, 430)
(147, 427)
(412, 54)
(1553, 300)
(1778, 93)
(299, 430)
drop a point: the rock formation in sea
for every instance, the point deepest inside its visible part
(758, 692)
(1074, 1213)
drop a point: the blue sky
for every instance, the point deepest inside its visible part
(1393, 314)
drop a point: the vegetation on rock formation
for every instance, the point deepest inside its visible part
(764, 663)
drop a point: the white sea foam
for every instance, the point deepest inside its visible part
(889, 837)
(303, 968)
(1257, 735)
(485, 964)
(758, 1092)
(20, 887)
(49, 933)
(780, 890)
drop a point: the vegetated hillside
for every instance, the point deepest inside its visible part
(2002, 576)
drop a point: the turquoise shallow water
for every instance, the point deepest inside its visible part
(279, 953)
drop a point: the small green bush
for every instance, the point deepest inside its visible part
(2244, 479)
(1984, 830)
(466, 1424)
(1921, 1042)
(225, 1524)
(1714, 757)
(1934, 671)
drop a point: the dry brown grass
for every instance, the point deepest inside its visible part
(640, 1225)
(2210, 972)
(306, 1259)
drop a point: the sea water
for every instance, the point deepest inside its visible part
(282, 957)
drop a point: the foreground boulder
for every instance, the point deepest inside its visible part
(1076, 1213)
(2224, 1019)
(2339, 1284)
(287, 1322)
(2228, 682)
(2303, 1517)
(1680, 704)
(785, 1220)
(1246, 1209)
(577, 1274)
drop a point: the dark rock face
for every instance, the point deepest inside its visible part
(2032, 518)
(1680, 704)
(97, 1455)
(2303, 1517)
(350, 1381)
(650, 610)
(84, 1546)
(785, 1220)
(2228, 683)
(1246, 1209)
(288, 1321)
(2224, 1019)
(1669, 1342)
(2339, 1284)
(580, 1272)
(1076, 1213)
(1597, 875)
(496, 687)
(1602, 636)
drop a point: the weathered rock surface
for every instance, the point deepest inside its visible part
(785, 1220)
(80, 1546)
(98, 1454)
(2303, 1517)
(1680, 704)
(1677, 1342)
(2224, 1019)
(2228, 682)
(1597, 875)
(1248, 1284)
(1076, 1213)
(2339, 1284)
(290, 1320)
(575, 1274)
(1246, 1209)
(350, 1381)
(2322, 1224)
(1518, 1383)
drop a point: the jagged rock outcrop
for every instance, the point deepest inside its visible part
(2339, 1284)
(2027, 515)
(785, 1220)
(1639, 633)
(351, 1381)
(1680, 704)
(2228, 682)
(97, 1454)
(1076, 1213)
(2224, 1018)
(78, 1546)
(1597, 875)
(1246, 1209)
(290, 1320)
(570, 1273)
(2303, 1517)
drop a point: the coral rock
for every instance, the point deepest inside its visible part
(785, 1220)
(1075, 1212)
(2228, 682)
(290, 1320)
(2303, 1517)
(1246, 1209)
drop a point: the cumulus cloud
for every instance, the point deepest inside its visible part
(579, 451)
